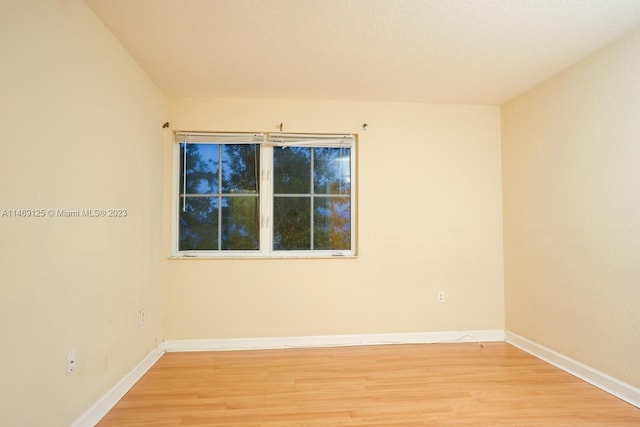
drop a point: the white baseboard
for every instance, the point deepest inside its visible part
(599, 379)
(94, 414)
(332, 340)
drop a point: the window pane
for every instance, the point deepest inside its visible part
(240, 230)
(332, 223)
(202, 162)
(291, 223)
(240, 165)
(332, 170)
(292, 170)
(199, 224)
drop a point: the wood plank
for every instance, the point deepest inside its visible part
(393, 385)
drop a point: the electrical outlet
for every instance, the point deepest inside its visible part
(71, 362)
(141, 318)
(441, 297)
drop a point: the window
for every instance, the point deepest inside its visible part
(265, 195)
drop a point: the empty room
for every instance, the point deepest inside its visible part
(319, 213)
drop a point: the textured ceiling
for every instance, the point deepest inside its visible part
(440, 51)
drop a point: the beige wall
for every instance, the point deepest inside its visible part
(80, 127)
(571, 182)
(429, 218)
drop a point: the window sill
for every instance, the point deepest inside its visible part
(261, 257)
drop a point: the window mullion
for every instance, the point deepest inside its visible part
(220, 197)
(311, 201)
(266, 199)
(184, 178)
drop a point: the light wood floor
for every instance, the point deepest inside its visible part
(394, 385)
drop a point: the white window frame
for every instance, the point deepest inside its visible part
(268, 142)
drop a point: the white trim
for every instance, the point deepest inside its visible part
(224, 344)
(95, 413)
(605, 382)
